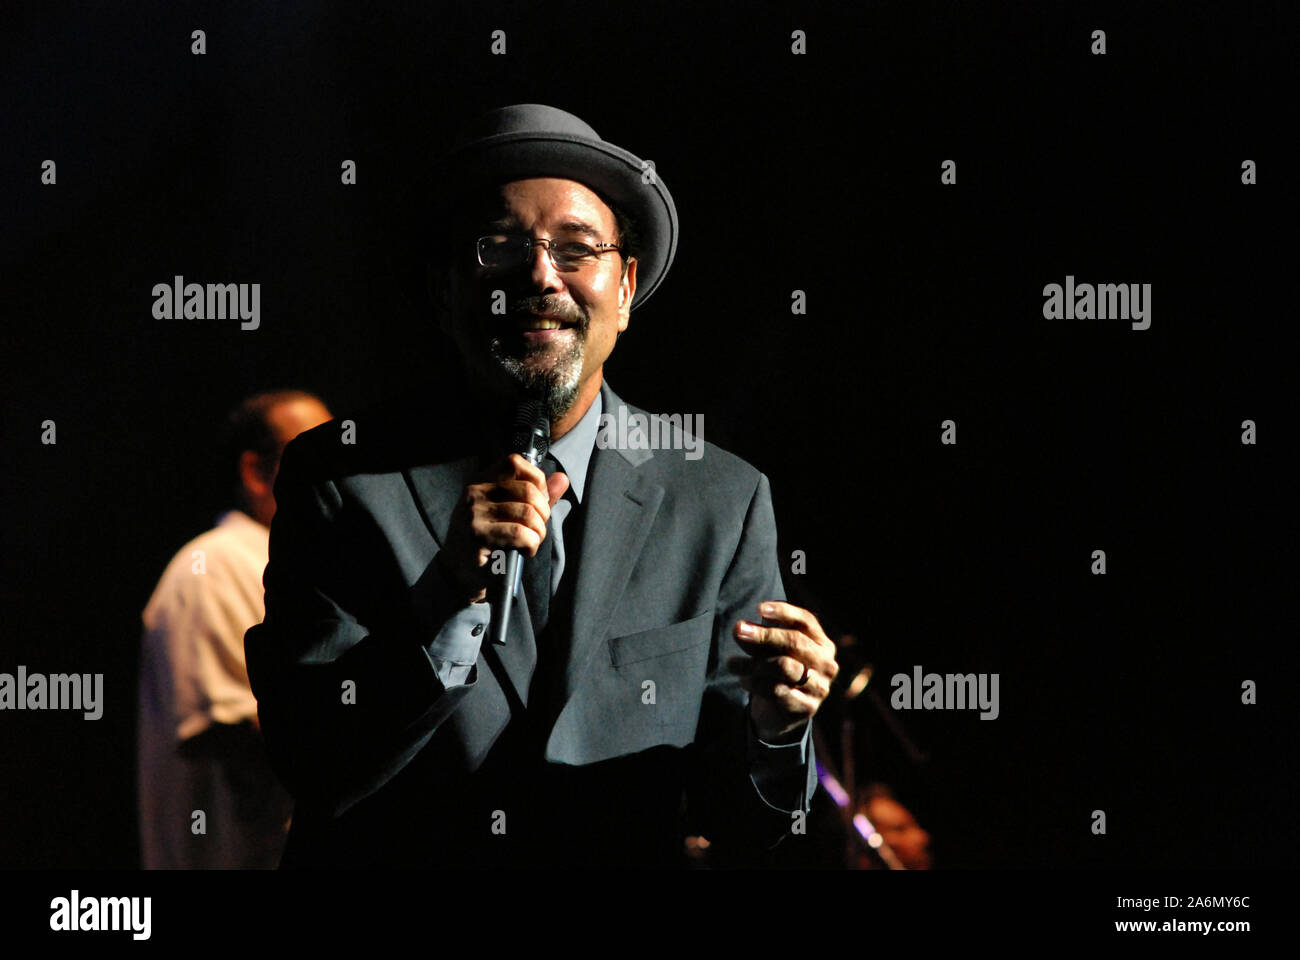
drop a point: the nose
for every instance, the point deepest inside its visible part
(542, 270)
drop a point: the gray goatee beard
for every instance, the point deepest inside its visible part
(555, 382)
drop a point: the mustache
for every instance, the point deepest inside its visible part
(566, 310)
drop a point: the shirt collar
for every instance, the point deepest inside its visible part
(573, 450)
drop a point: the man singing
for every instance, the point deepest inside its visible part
(652, 682)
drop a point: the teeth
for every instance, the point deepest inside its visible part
(534, 324)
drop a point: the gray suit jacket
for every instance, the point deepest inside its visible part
(389, 767)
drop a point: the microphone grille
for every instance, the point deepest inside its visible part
(532, 430)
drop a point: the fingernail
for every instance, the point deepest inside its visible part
(748, 630)
(767, 609)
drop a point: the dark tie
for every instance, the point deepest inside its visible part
(537, 570)
(548, 691)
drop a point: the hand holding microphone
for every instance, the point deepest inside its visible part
(507, 511)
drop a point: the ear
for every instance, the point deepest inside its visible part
(255, 482)
(626, 291)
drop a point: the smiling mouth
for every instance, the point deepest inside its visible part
(533, 322)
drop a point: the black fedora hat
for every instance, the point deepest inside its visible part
(534, 140)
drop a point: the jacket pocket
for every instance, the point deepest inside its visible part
(661, 641)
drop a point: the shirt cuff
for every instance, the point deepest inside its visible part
(455, 649)
(780, 771)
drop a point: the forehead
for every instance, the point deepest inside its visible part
(550, 204)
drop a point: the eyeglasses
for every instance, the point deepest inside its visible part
(503, 251)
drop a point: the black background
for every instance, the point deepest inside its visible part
(816, 172)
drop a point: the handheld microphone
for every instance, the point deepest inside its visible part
(532, 439)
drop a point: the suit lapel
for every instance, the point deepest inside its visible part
(621, 504)
(436, 488)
